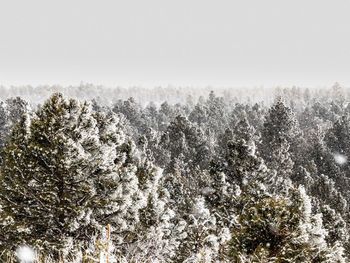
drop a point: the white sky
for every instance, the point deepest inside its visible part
(179, 42)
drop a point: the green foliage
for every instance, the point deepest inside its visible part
(56, 184)
(280, 229)
(268, 224)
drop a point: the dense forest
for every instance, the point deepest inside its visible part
(179, 175)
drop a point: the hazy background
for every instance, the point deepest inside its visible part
(182, 42)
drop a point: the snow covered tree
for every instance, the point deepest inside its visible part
(338, 140)
(66, 174)
(242, 164)
(166, 114)
(322, 111)
(17, 107)
(266, 204)
(240, 170)
(10, 113)
(336, 227)
(255, 116)
(320, 154)
(280, 130)
(199, 115)
(281, 229)
(151, 116)
(216, 112)
(5, 124)
(202, 241)
(182, 137)
(221, 144)
(132, 112)
(155, 235)
(281, 160)
(327, 187)
(243, 130)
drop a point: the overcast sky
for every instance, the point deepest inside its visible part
(179, 42)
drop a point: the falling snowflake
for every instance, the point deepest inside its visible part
(25, 254)
(340, 158)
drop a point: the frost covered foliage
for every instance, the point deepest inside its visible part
(52, 170)
(274, 220)
(202, 176)
(66, 174)
(281, 229)
(11, 111)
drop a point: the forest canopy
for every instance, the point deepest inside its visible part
(203, 176)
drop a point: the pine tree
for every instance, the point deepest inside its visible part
(181, 137)
(338, 140)
(275, 221)
(199, 115)
(242, 164)
(10, 113)
(221, 143)
(320, 154)
(281, 160)
(216, 112)
(17, 107)
(281, 229)
(241, 170)
(200, 239)
(66, 175)
(165, 115)
(5, 124)
(280, 129)
(243, 130)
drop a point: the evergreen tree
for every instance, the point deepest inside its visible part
(200, 240)
(281, 229)
(199, 115)
(338, 141)
(281, 160)
(5, 124)
(240, 170)
(10, 113)
(280, 130)
(181, 137)
(216, 112)
(65, 176)
(243, 130)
